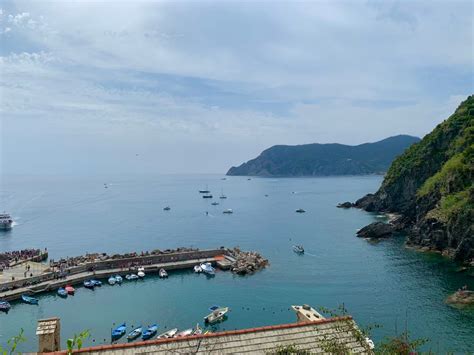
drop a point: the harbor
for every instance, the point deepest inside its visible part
(102, 266)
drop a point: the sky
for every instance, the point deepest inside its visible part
(114, 87)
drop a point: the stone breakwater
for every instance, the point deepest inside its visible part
(246, 262)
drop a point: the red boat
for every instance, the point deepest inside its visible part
(69, 289)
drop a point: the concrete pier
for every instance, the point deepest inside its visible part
(105, 269)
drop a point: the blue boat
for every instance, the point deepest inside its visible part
(4, 306)
(89, 284)
(62, 292)
(118, 332)
(135, 333)
(29, 300)
(150, 332)
(97, 282)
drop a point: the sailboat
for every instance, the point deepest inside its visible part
(222, 196)
(206, 191)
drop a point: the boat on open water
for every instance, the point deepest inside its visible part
(298, 249)
(217, 315)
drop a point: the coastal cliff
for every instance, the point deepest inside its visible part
(326, 159)
(430, 187)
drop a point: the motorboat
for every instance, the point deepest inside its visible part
(118, 279)
(184, 333)
(206, 196)
(228, 211)
(298, 249)
(163, 274)
(197, 269)
(62, 292)
(6, 221)
(70, 290)
(150, 332)
(97, 283)
(215, 203)
(208, 269)
(131, 277)
(169, 334)
(135, 333)
(29, 300)
(112, 280)
(167, 208)
(141, 274)
(300, 210)
(119, 331)
(5, 306)
(89, 284)
(206, 191)
(217, 315)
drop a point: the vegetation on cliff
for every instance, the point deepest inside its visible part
(326, 159)
(431, 186)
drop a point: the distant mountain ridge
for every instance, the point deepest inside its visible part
(326, 159)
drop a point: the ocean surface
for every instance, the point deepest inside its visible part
(383, 283)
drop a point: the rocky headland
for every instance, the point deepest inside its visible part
(431, 188)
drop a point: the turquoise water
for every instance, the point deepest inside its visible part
(382, 283)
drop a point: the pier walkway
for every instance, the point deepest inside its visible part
(78, 278)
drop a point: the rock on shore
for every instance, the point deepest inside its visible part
(246, 262)
(461, 297)
(376, 230)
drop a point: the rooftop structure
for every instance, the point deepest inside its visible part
(317, 336)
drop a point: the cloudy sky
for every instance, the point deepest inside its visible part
(199, 86)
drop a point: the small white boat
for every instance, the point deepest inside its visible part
(208, 269)
(197, 330)
(141, 274)
(163, 274)
(197, 269)
(298, 249)
(112, 280)
(131, 277)
(217, 315)
(228, 211)
(118, 279)
(169, 334)
(184, 333)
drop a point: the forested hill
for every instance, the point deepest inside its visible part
(326, 159)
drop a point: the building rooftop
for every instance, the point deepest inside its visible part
(318, 336)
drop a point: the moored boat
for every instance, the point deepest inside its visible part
(135, 333)
(169, 334)
(150, 332)
(5, 306)
(118, 279)
(184, 333)
(119, 331)
(112, 280)
(141, 274)
(163, 274)
(216, 315)
(197, 330)
(207, 196)
(89, 284)
(228, 211)
(215, 203)
(167, 208)
(132, 277)
(70, 290)
(96, 282)
(208, 269)
(197, 269)
(62, 292)
(29, 300)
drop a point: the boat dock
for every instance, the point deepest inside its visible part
(103, 269)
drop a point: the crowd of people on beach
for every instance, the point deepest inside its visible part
(10, 257)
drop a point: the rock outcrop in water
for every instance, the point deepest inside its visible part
(246, 262)
(431, 187)
(326, 159)
(376, 230)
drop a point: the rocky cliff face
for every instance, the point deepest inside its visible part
(430, 185)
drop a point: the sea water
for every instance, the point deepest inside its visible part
(384, 283)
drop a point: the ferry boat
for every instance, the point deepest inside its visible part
(6, 221)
